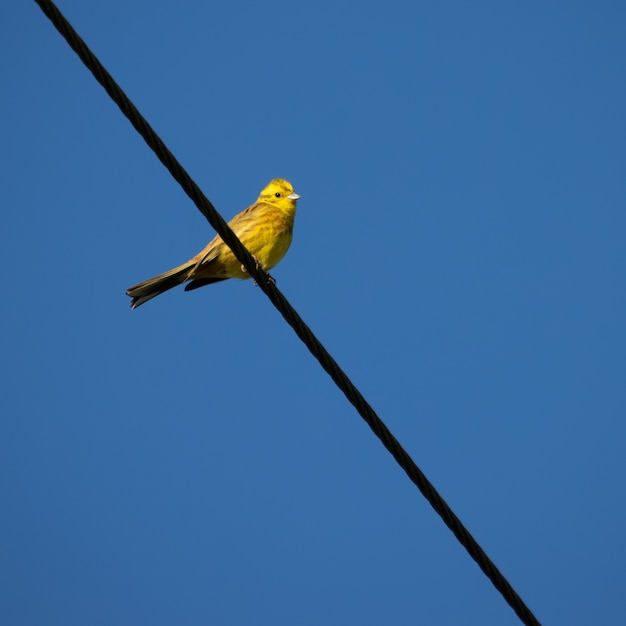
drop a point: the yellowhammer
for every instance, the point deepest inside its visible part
(265, 229)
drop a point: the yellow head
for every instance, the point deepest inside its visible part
(280, 193)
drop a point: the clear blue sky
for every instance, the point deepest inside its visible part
(459, 249)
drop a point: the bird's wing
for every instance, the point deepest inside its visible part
(242, 221)
(239, 224)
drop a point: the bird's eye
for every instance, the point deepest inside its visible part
(277, 194)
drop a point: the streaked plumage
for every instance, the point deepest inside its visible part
(265, 229)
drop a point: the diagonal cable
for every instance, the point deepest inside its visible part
(290, 315)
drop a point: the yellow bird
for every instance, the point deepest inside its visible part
(265, 229)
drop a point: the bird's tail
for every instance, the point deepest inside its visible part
(148, 289)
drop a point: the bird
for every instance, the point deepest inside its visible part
(265, 228)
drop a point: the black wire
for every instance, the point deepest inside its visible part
(290, 315)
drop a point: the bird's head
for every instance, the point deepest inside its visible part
(279, 192)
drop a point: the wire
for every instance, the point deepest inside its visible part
(290, 315)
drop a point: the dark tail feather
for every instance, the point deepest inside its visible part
(148, 289)
(201, 282)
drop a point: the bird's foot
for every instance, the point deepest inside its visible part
(256, 263)
(270, 279)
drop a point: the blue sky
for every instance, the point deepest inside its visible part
(459, 249)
